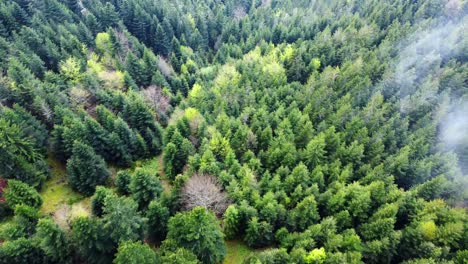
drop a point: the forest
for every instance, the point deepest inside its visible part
(233, 131)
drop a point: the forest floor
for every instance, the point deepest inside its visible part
(237, 252)
(56, 193)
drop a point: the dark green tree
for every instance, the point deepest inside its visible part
(86, 169)
(158, 216)
(145, 187)
(53, 241)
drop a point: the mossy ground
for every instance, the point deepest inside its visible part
(237, 251)
(56, 192)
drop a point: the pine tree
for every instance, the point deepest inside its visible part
(91, 240)
(20, 193)
(86, 169)
(198, 230)
(135, 68)
(158, 216)
(145, 187)
(53, 241)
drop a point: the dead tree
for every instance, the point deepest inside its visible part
(204, 190)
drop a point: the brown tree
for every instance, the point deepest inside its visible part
(204, 190)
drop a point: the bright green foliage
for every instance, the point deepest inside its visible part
(179, 256)
(198, 230)
(144, 187)
(21, 250)
(316, 256)
(53, 241)
(85, 169)
(20, 193)
(231, 222)
(70, 68)
(135, 253)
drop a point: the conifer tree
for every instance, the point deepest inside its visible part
(86, 169)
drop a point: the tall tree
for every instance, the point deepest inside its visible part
(198, 230)
(86, 169)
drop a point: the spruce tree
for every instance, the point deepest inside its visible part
(86, 169)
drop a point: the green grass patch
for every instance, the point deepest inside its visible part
(237, 251)
(56, 191)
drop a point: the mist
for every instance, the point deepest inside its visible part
(415, 82)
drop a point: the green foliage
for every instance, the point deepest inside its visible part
(158, 216)
(18, 158)
(99, 198)
(258, 234)
(135, 253)
(144, 187)
(85, 169)
(90, 238)
(231, 222)
(345, 117)
(20, 193)
(199, 231)
(122, 182)
(176, 153)
(122, 219)
(21, 250)
(317, 255)
(53, 241)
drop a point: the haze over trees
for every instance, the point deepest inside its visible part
(309, 131)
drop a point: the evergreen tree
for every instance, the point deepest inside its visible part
(135, 253)
(198, 230)
(20, 193)
(144, 187)
(91, 240)
(158, 216)
(53, 241)
(85, 169)
(122, 220)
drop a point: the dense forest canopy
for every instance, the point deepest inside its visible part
(308, 131)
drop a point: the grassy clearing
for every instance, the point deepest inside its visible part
(56, 191)
(237, 251)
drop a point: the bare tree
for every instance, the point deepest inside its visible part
(165, 67)
(204, 190)
(156, 99)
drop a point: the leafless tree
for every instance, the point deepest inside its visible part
(165, 67)
(239, 13)
(156, 99)
(204, 190)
